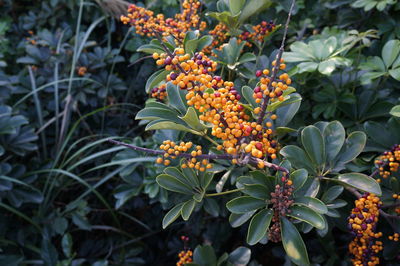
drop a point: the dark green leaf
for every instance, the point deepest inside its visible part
(173, 184)
(312, 203)
(314, 144)
(361, 182)
(187, 209)
(293, 243)
(172, 215)
(244, 204)
(258, 226)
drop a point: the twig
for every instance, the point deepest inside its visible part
(203, 156)
(184, 155)
(276, 67)
(140, 59)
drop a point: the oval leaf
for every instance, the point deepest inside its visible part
(361, 182)
(314, 144)
(258, 226)
(293, 243)
(244, 204)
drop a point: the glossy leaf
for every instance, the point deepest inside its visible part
(258, 226)
(297, 157)
(332, 193)
(361, 182)
(307, 215)
(192, 120)
(353, 146)
(314, 144)
(172, 215)
(293, 243)
(244, 204)
(155, 79)
(334, 136)
(312, 203)
(173, 184)
(187, 209)
(298, 177)
(238, 219)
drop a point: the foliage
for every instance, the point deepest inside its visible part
(73, 78)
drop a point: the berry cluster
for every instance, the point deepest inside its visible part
(159, 92)
(260, 31)
(146, 23)
(394, 237)
(173, 150)
(185, 256)
(362, 224)
(389, 162)
(281, 201)
(219, 104)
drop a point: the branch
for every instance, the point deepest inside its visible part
(203, 156)
(276, 67)
(184, 155)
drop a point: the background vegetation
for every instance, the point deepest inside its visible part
(71, 78)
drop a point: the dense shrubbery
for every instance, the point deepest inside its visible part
(256, 149)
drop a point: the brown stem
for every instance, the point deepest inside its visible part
(394, 205)
(276, 67)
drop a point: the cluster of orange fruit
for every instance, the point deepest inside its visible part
(218, 102)
(362, 224)
(185, 256)
(146, 23)
(173, 150)
(389, 161)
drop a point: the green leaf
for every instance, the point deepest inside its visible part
(253, 7)
(299, 177)
(238, 219)
(312, 203)
(334, 137)
(155, 79)
(326, 67)
(297, 157)
(247, 57)
(174, 98)
(191, 176)
(307, 215)
(244, 204)
(361, 182)
(164, 124)
(192, 120)
(235, 6)
(187, 209)
(172, 215)
(257, 191)
(332, 193)
(395, 73)
(353, 146)
(66, 244)
(240, 256)
(293, 243)
(395, 111)
(174, 171)
(390, 52)
(204, 42)
(338, 203)
(204, 255)
(258, 226)
(314, 144)
(247, 93)
(173, 184)
(153, 113)
(151, 48)
(286, 113)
